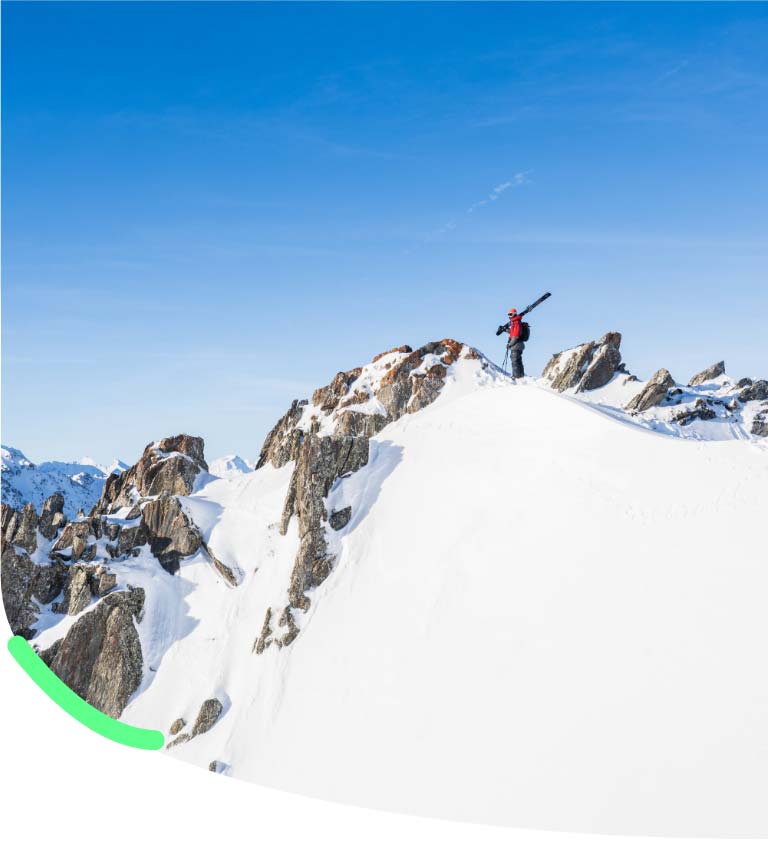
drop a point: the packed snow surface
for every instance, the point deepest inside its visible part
(544, 613)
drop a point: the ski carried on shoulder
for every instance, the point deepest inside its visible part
(535, 303)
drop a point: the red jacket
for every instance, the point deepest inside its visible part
(514, 326)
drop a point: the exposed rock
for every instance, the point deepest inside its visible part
(170, 533)
(321, 460)
(265, 638)
(100, 656)
(223, 570)
(283, 441)
(700, 410)
(587, 367)
(209, 713)
(214, 766)
(757, 391)
(760, 424)
(26, 585)
(709, 374)
(177, 726)
(176, 741)
(129, 539)
(9, 523)
(26, 532)
(168, 467)
(287, 622)
(401, 349)
(52, 518)
(744, 382)
(75, 537)
(338, 519)
(77, 590)
(104, 582)
(653, 393)
(328, 398)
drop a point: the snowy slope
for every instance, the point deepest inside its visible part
(81, 482)
(229, 465)
(544, 613)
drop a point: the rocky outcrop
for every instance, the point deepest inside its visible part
(760, 423)
(321, 460)
(587, 367)
(100, 657)
(754, 391)
(709, 374)
(171, 534)
(167, 467)
(52, 518)
(284, 439)
(700, 410)
(75, 541)
(25, 586)
(328, 439)
(653, 393)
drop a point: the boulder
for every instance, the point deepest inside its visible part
(709, 374)
(100, 656)
(589, 366)
(209, 713)
(653, 393)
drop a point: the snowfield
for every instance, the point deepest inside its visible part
(544, 613)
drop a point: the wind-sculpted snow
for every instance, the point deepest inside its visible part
(441, 591)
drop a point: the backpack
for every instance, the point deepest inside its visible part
(525, 332)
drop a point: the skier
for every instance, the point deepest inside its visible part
(515, 344)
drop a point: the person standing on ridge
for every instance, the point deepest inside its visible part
(516, 342)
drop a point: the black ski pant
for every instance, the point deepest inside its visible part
(516, 347)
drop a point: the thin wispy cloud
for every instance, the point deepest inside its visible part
(519, 179)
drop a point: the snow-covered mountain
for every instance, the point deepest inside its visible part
(442, 591)
(80, 482)
(229, 465)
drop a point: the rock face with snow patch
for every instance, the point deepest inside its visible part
(589, 366)
(100, 657)
(329, 438)
(168, 467)
(709, 374)
(653, 393)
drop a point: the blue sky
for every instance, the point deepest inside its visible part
(209, 209)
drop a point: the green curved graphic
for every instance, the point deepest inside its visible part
(48, 681)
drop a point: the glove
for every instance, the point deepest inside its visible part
(500, 330)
